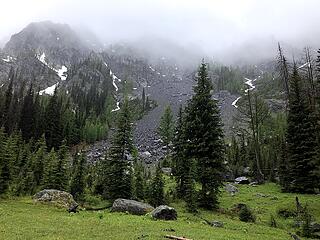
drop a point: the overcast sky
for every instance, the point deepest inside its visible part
(212, 24)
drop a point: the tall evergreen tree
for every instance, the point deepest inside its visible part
(4, 165)
(53, 129)
(301, 140)
(118, 177)
(156, 189)
(27, 118)
(77, 184)
(204, 139)
(166, 127)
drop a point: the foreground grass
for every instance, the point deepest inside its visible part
(23, 219)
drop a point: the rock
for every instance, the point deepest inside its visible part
(167, 171)
(315, 227)
(242, 180)
(164, 212)
(55, 197)
(146, 154)
(231, 189)
(253, 184)
(262, 195)
(216, 224)
(131, 206)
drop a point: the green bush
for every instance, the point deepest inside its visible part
(246, 214)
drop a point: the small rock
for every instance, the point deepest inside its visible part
(167, 171)
(242, 180)
(131, 206)
(216, 224)
(231, 189)
(164, 212)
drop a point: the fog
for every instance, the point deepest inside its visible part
(214, 27)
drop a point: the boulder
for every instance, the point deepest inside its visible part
(55, 197)
(164, 212)
(231, 189)
(242, 180)
(216, 224)
(167, 170)
(131, 206)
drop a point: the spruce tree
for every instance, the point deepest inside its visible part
(166, 126)
(27, 118)
(181, 162)
(204, 139)
(53, 126)
(156, 191)
(139, 183)
(77, 184)
(117, 172)
(301, 140)
(4, 165)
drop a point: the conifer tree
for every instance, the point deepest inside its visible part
(190, 192)
(156, 191)
(38, 160)
(27, 117)
(301, 140)
(77, 184)
(53, 131)
(204, 139)
(117, 172)
(181, 162)
(139, 183)
(166, 127)
(4, 165)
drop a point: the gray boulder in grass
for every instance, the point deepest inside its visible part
(131, 206)
(55, 197)
(164, 212)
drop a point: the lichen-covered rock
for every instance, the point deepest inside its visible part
(231, 189)
(131, 206)
(164, 212)
(55, 197)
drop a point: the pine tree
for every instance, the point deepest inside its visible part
(53, 129)
(27, 117)
(190, 193)
(166, 127)
(4, 165)
(156, 194)
(204, 139)
(139, 183)
(181, 162)
(38, 160)
(301, 140)
(77, 185)
(117, 176)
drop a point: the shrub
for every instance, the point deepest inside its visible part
(286, 212)
(246, 215)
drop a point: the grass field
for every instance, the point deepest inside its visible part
(22, 219)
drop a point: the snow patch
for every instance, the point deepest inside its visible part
(234, 103)
(62, 72)
(152, 69)
(304, 65)
(249, 82)
(8, 59)
(49, 90)
(117, 107)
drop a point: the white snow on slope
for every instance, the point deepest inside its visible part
(49, 90)
(152, 69)
(249, 82)
(117, 107)
(114, 79)
(234, 103)
(62, 72)
(8, 59)
(303, 65)
(1, 85)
